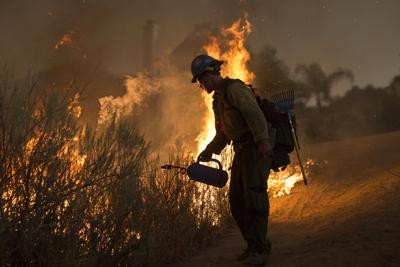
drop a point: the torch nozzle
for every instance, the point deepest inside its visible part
(166, 167)
(182, 170)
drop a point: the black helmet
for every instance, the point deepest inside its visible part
(203, 63)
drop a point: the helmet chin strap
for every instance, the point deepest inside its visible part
(216, 69)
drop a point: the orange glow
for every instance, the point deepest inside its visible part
(208, 132)
(232, 50)
(65, 39)
(70, 149)
(281, 183)
(236, 58)
(74, 106)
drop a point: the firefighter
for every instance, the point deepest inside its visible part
(239, 119)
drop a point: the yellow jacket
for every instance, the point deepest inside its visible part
(237, 114)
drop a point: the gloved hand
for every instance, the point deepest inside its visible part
(204, 156)
(265, 148)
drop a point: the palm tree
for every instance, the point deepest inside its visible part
(273, 75)
(319, 83)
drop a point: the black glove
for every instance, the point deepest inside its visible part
(204, 156)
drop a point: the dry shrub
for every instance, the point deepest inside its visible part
(73, 197)
(185, 215)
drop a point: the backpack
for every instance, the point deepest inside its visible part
(279, 129)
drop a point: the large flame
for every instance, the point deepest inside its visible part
(232, 50)
(236, 58)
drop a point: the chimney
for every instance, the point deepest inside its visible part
(150, 45)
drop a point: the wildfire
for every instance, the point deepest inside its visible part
(232, 50)
(235, 55)
(70, 148)
(138, 88)
(74, 106)
(282, 183)
(236, 58)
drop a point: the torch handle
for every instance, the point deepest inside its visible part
(296, 145)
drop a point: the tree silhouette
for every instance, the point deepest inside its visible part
(394, 86)
(319, 83)
(274, 71)
(273, 75)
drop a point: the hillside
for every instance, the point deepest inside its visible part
(349, 215)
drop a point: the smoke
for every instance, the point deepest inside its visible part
(138, 89)
(167, 109)
(100, 42)
(106, 36)
(110, 31)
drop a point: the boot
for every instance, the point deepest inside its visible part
(243, 255)
(256, 259)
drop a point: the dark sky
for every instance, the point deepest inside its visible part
(362, 35)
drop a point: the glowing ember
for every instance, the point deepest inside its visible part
(65, 39)
(74, 106)
(30, 145)
(70, 149)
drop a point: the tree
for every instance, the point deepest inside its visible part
(273, 75)
(319, 83)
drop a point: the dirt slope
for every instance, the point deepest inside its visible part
(349, 215)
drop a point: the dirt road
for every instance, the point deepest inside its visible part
(349, 215)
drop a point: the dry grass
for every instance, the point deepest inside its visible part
(73, 197)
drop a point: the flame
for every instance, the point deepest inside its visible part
(65, 39)
(74, 106)
(232, 50)
(70, 149)
(137, 89)
(236, 58)
(281, 183)
(208, 132)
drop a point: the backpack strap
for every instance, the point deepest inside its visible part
(229, 81)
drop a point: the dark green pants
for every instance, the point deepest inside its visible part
(248, 196)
